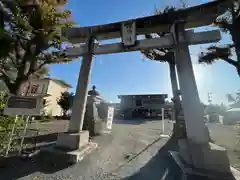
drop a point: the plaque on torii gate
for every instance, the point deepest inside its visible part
(176, 37)
(128, 34)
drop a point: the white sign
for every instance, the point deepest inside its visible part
(110, 118)
(129, 36)
(23, 105)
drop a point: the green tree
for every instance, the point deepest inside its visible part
(31, 39)
(215, 108)
(234, 100)
(6, 124)
(3, 100)
(229, 22)
(65, 101)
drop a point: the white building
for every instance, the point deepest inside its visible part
(50, 89)
(143, 105)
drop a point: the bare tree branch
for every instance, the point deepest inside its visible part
(231, 61)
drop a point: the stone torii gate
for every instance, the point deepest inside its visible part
(194, 149)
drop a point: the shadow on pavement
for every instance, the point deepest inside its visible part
(161, 164)
(132, 121)
(155, 169)
(15, 167)
(163, 167)
(41, 138)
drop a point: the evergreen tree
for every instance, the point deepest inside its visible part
(65, 102)
(229, 22)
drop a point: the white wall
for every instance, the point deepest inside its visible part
(47, 87)
(54, 90)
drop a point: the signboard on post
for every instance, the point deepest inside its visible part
(128, 31)
(23, 105)
(110, 117)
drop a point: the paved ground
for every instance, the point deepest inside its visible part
(118, 154)
(226, 136)
(117, 157)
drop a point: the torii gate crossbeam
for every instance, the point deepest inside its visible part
(163, 42)
(196, 16)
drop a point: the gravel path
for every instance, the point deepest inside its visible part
(109, 161)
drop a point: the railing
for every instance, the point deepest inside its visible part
(17, 136)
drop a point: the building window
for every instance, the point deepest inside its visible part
(153, 101)
(44, 101)
(34, 89)
(138, 102)
(43, 89)
(122, 101)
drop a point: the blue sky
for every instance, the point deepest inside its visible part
(131, 73)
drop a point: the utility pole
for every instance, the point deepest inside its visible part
(210, 107)
(209, 98)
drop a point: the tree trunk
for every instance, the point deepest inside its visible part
(179, 131)
(236, 40)
(28, 88)
(1, 21)
(15, 88)
(64, 113)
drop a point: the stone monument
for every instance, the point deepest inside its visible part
(92, 118)
(93, 92)
(96, 114)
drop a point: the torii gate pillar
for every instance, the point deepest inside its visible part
(76, 139)
(194, 148)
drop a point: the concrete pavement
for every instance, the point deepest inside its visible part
(118, 154)
(226, 136)
(110, 161)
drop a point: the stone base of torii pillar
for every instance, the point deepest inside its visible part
(75, 142)
(194, 149)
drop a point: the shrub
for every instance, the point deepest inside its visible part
(3, 100)
(65, 102)
(6, 125)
